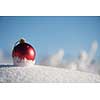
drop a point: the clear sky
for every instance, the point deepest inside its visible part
(49, 34)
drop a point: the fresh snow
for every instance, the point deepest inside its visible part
(41, 74)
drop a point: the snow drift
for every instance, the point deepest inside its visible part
(85, 62)
(37, 73)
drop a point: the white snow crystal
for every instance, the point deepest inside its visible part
(37, 73)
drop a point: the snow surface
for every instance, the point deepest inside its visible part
(44, 74)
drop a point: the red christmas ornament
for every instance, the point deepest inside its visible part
(23, 53)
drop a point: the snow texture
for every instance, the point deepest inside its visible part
(44, 74)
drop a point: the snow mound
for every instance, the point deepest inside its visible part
(44, 74)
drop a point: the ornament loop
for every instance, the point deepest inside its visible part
(20, 41)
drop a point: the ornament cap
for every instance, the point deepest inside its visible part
(22, 40)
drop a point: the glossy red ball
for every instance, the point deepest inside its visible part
(24, 50)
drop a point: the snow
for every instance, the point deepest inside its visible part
(44, 74)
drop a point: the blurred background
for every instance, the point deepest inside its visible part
(67, 36)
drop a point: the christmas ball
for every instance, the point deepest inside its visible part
(23, 53)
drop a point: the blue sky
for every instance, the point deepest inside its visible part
(49, 34)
